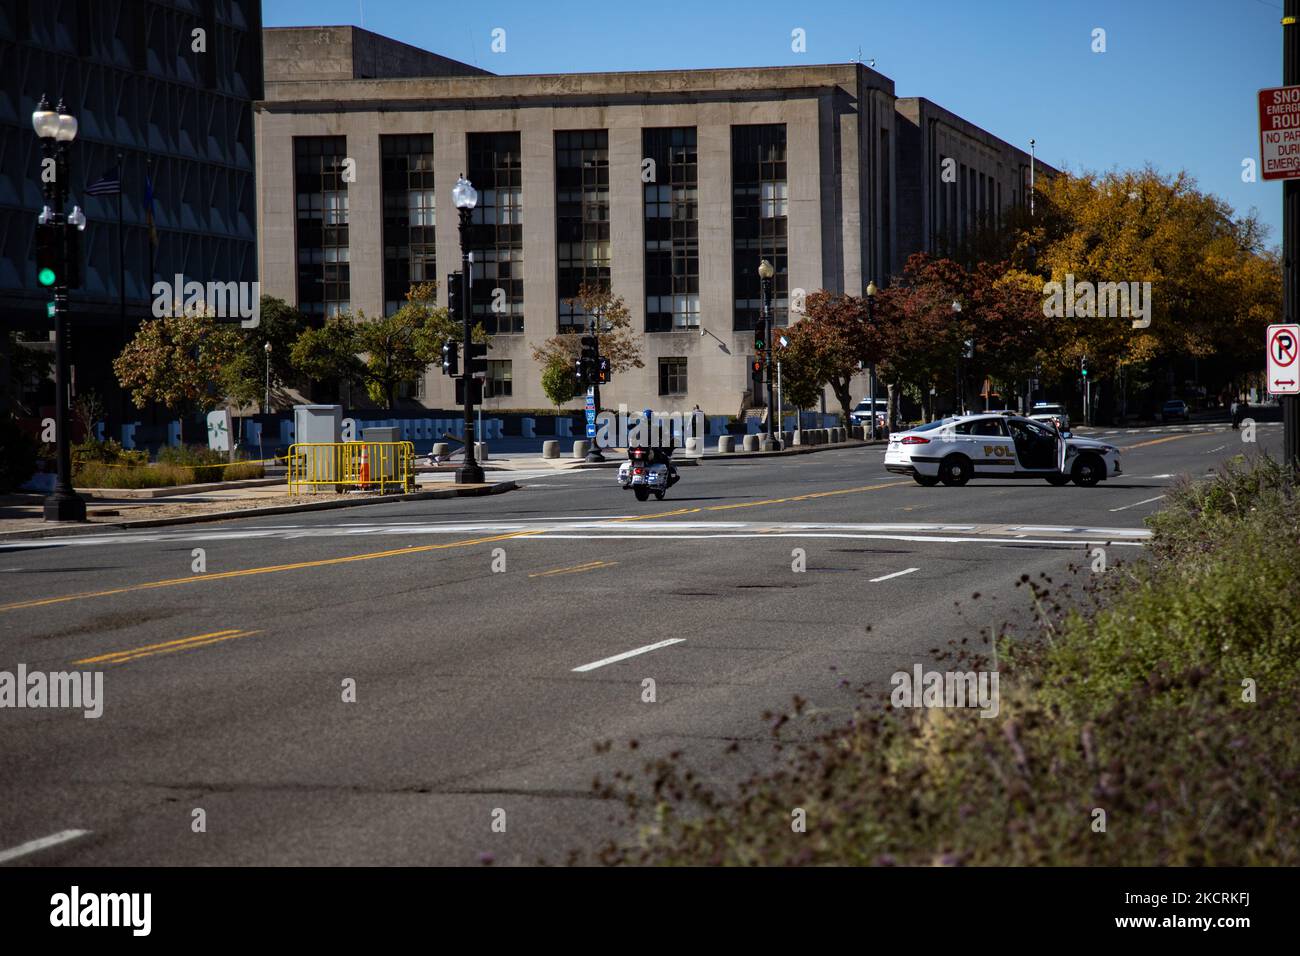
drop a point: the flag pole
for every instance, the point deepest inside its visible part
(121, 257)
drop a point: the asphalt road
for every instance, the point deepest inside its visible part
(481, 695)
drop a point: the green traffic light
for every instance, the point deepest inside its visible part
(45, 276)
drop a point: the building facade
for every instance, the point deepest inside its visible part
(671, 186)
(162, 91)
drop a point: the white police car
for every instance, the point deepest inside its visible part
(955, 450)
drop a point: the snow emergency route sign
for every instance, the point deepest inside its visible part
(1283, 369)
(1279, 132)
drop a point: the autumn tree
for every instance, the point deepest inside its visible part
(178, 361)
(838, 335)
(618, 342)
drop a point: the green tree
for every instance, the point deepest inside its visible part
(558, 382)
(245, 376)
(328, 355)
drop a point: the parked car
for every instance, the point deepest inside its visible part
(861, 414)
(1042, 411)
(1174, 410)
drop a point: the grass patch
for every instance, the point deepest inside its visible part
(1152, 723)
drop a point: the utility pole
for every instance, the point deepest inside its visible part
(1290, 235)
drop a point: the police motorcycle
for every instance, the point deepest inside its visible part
(649, 469)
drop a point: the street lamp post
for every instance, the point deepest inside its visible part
(465, 197)
(961, 397)
(871, 371)
(596, 326)
(266, 405)
(56, 129)
(1031, 177)
(765, 274)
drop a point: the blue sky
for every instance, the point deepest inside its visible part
(1175, 88)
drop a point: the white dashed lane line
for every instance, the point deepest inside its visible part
(32, 846)
(896, 574)
(626, 654)
(1146, 501)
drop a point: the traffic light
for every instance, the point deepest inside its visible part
(602, 371)
(454, 304)
(451, 358)
(758, 365)
(579, 374)
(476, 360)
(760, 342)
(1083, 366)
(589, 362)
(48, 254)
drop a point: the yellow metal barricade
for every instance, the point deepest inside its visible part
(344, 466)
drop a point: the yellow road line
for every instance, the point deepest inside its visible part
(151, 647)
(271, 569)
(815, 494)
(167, 647)
(576, 569)
(661, 514)
(1156, 441)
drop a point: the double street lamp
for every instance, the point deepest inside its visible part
(465, 197)
(765, 274)
(56, 129)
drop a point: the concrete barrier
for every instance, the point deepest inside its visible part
(526, 426)
(550, 449)
(751, 442)
(580, 447)
(481, 450)
(726, 444)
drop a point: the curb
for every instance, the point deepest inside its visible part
(60, 531)
(794, 450)
(113, 494)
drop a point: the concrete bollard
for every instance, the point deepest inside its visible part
(751, 442)
(726, 444)
(580, 448)
(440, 449)
(693, 446)
(550, 449)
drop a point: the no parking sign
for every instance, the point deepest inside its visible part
(1283, 367)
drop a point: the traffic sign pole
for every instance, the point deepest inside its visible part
(1291, 237)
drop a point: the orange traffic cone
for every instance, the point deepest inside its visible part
(365, 465)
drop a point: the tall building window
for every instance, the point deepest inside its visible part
(760, 223)
(672, 230)
(322, 234)
(409, 215)
(496, 235)
(500, 379)
(581, 217)
(672, 375)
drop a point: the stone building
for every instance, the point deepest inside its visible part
(671, 185)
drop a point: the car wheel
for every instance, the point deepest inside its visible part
(955, 470)
(659, 496)
(1088, 470)
(1058, 480)
(642, 494)
(926, 481)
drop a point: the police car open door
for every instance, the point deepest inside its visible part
(1060, 452)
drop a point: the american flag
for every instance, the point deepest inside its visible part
(110, 184)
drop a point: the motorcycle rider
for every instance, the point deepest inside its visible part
(662, 455)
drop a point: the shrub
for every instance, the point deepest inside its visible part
(100, 475)
(242, 470)
(106, 452)
(190, 455)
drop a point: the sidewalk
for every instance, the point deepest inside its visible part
(21, 514)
